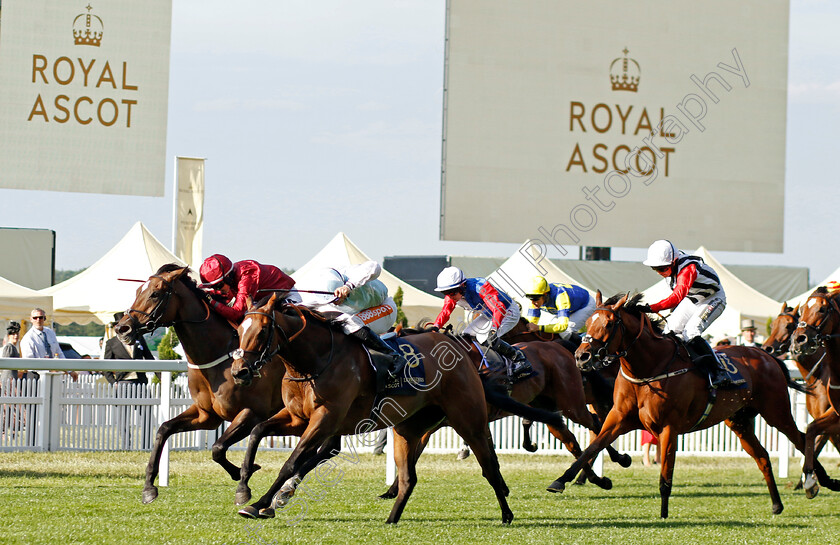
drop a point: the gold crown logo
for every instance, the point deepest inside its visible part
(625, 73)
(87, 29)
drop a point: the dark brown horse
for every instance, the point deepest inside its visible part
(597, 386)
(660, 390)
(816, 375)
(556, 387)
(330, 391)
(819, 328)
(171, 297)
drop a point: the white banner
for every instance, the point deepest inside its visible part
(189, 174)
(84, 87)
(616, 123)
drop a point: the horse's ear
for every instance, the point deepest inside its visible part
(181, 272)
(621, 302)
(796, 311)
(598, 298)
(249, 302)
(784, 307)
(272, 300)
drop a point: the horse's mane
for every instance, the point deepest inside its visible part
(632, 307)
(185, 278)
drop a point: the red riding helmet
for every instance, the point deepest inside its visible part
(214, 269)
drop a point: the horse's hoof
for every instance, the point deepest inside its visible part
(604, 483)
(530, 447)
(149, 494)
(580, 481)
(507, 518)
(778, 508)
(267, 513)
(281, 499)
(388, 496)
(812, 492)
(463, 454)
(624, 460)
(557, 486)
(249, 512)
(243, 494)
(798, 485)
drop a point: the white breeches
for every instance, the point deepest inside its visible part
(379, 318)
(579, 317)
(481, 325)
(691, 319)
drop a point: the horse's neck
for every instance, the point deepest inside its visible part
(312, 341)
(648, 354)
(203, 340)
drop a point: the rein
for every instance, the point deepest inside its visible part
(156, 314)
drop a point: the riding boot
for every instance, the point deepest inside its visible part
(704, 358)
(375, 342)
(572, 342)
(521, 366)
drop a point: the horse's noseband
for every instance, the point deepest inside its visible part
(156, 315)
(601, 357)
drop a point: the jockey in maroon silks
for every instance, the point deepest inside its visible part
(234, 282)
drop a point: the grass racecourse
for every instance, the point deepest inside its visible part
(93, 497)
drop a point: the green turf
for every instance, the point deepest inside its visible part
(68, 498)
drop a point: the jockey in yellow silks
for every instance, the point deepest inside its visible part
(557, 308)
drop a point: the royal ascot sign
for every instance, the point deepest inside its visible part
(615, 123)
(84, 89)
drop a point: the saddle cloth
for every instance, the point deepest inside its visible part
(410, 379)
(725, 363)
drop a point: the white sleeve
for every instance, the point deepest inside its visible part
(359, 275)
(27, 347)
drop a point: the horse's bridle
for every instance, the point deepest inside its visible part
(267, 353)
(602, 358)
(156, 315)
(819, 336)
(784, 345)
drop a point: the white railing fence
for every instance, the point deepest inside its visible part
(57, 413)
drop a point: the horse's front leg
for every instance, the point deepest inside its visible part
(826, 423)
(322, 425)
(239, 429)
(191, 419)
(668, 444)
(281, 423)
(616, 424)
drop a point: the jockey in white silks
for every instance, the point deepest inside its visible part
(357, 300)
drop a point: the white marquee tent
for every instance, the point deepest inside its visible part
(97, 293)
(802, 297)
(341, 252)
(514, 275)
(742, 301)
(17, 301)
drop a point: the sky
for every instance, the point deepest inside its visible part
(320, 117)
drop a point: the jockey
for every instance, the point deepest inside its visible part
(697, 300)
(497, 314)
(569, 305)
(359, 302)
(229, 284)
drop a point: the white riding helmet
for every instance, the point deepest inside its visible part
(450, 278)
(660, 254)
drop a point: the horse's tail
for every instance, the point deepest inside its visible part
(792, 384)
(496, 394)
(601, 389)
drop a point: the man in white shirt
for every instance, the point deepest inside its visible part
(40, 341)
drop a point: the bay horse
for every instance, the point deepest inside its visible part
(329, 390)
(819, 328)
(660, 390)
(815, 375)
(171, 297)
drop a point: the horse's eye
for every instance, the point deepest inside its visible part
(155, 295)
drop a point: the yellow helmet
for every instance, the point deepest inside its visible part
(539, 286)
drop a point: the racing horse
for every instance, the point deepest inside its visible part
(819, 328)
(557, 386)
(598, 386)
(659, 389)
(171, 297)
(809, 365)
(329, 390)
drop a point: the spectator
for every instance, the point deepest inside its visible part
(115, 349)
(748, 334)
(647, 440)
(41, 342)
(10, 350)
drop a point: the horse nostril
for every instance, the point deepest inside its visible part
(585, 357)
(801, 339)
(768, 349)
(123, 329)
